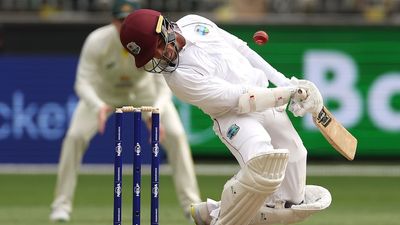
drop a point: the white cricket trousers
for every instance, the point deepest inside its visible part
(255, 133)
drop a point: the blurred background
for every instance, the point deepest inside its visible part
(350, 48)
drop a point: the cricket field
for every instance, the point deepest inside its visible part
(25, 199)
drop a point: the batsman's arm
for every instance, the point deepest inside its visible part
(255, 59)
(258, 99)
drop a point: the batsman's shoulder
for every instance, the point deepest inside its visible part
(192, 19)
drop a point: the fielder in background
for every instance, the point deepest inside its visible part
(217, 72)
(107, 79)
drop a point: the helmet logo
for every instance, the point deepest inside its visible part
(133, 48)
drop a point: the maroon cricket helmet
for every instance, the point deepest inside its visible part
(139, 34)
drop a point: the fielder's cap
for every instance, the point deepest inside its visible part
(139, 34)
(122, 8)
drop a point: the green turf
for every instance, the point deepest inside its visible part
(25, 200)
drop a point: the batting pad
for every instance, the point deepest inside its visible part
(316, 199)
(244, 194)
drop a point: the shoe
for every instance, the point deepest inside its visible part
(59, 215)
(200, 214)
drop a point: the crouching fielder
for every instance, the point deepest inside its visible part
(209, 68)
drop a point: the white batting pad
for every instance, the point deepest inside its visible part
(244, 194)
(316, 199)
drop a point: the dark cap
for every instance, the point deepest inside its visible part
(139, 33)
(122, 8)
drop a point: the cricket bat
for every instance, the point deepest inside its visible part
(334, 132)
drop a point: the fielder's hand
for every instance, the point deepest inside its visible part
(102, 117)
(162, 130)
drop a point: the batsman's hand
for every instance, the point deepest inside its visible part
(102, 117)
(312, 101)
(296, 108)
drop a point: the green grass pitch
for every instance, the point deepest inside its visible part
(25, 200)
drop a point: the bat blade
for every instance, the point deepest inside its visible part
(334, 132)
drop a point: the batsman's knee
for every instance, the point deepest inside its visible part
(265, 171)
(245, 193)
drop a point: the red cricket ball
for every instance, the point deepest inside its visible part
(260, 37)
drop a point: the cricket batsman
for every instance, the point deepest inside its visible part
(106, 79)
(217, 72)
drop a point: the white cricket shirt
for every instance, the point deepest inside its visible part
(213, 70)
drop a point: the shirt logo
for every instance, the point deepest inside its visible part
(232, 131)
(202, 30)
(133, 48)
